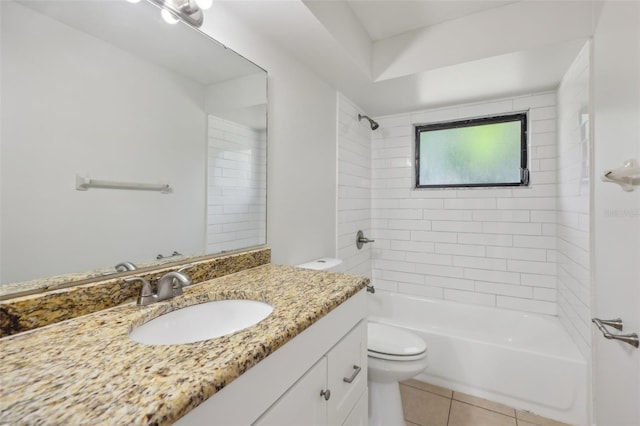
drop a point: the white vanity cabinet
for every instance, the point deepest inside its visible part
(302, 404)
(329, 392)
(284, 388)
(347, 374)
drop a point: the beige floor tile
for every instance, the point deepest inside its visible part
(484, 403)
(424, 408)
(520, 423)
(428, 387)
(537, 420)
(463, 414)
(411, 424)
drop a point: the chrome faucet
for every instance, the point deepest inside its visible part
(125, 266)
(169, 285)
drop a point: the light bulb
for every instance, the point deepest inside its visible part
(204, 4)
(168, 17)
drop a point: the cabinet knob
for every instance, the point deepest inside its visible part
(326, 394)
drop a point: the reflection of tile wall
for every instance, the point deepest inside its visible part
(488, 246)
(37, 310)
(574, 289)
(354, 188)
(236, 186)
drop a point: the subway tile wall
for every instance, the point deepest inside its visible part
(487, 246)
(236, 186)
(354, 188)
(574, 289)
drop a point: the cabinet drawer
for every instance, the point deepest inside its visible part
(347, 373)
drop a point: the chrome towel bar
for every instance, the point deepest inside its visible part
(83, 183)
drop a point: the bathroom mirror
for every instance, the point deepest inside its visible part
(105, 93)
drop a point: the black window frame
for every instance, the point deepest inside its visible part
(522, 117)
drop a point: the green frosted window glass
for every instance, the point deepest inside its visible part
(481, 152)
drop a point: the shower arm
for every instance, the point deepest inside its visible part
(374, 125)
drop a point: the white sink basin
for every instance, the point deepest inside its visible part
(201, 322)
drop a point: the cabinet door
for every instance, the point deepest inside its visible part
(359, 416)
(347, 373)
(302, 404)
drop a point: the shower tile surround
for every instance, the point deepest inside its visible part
(41, 309)
(573, 257)
(354, 188)
(488, 246)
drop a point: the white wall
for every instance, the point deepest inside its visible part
(488, 246)
(236, 186)
(574, 176)
(53, 79)
(301, 182)
(354, 187)
(616, 213)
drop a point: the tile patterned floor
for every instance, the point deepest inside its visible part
(429, 405)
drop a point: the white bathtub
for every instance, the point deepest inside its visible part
(526, 361)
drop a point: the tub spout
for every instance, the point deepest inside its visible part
(371, 288)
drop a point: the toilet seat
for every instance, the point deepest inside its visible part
(394, 344)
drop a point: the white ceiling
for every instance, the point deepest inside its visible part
(384, 19)
(393, 56)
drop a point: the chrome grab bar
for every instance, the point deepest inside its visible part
(631, 338)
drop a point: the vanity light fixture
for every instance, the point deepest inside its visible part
(168, 17)
(188, 10)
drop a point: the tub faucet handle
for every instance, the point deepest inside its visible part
(362, 240)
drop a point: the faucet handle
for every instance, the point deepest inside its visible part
(125, 266)
(146, 293)
(186, 267)
(182, 270)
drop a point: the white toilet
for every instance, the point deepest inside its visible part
(394, 354)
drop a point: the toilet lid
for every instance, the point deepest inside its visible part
(387, 340)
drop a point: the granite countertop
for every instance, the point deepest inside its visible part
(88, 371)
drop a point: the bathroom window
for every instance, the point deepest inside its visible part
(479, 152)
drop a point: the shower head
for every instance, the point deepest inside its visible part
(373, 124)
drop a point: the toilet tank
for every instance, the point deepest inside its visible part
(323, 264)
